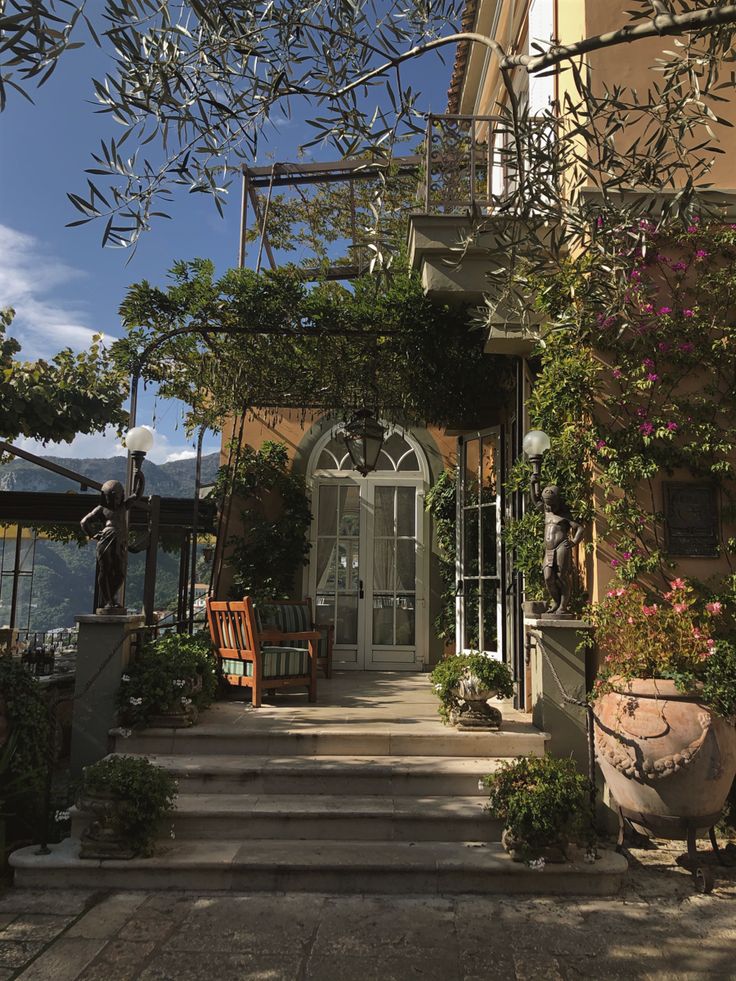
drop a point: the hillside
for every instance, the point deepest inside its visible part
(175, 479)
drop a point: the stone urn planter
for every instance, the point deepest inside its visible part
(102, 837)
(472, 710)
(665, 755)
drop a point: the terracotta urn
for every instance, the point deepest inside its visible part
(100, 839)
(665, 755)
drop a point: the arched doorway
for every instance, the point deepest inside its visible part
(368, 562)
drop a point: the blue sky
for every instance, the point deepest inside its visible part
(62, 284)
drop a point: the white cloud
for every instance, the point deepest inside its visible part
(103, 445)
(181, 455)
(28, 278)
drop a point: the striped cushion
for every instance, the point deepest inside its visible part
(278, 662)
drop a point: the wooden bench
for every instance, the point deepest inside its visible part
(296, 615)
(261, 658)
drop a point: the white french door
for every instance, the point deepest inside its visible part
(479, 573)
(367, 569)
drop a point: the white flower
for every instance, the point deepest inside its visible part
(481, 784)
(125, 733)
(590, 855)
(172, 834)
(537, 864)
(179, 683)
(125, 678)
(438, 687)
(135, 701)
(185, 700)
(62, 816)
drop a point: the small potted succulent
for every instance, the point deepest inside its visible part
(464, 683)
(665, 705)
(170, 681)
(544, 804)
(126, 798)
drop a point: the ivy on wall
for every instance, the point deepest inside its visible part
(274, 517)
(441, 503)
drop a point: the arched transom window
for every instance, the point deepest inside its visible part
(396, 456)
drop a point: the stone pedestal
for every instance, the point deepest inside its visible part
(95, 710)
(565, 723)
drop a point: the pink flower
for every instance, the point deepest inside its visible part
(652, 376)
(610, 594)
(664, 346)
(621, 591)
(663, 311)
(634, 274)
(641, 412)
(648, 363)
(672, 426)
(600, 444)
(599, 222)
(679, 607)
(629, 619)
(678, 583)
(617, 373)
(608, 658)
(711, 643)
(650, 611)
(688, 347)
(646, 428)
(688, 313)
(696, 633)
(647, 308)
(715, 608)
(615, 564)
(626, 555)
(701, 254)
(692, 228)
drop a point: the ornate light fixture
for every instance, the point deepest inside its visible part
(138, 442)
(364, 436)
(535, 445)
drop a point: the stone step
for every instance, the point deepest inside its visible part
(336, 776)
(334, 867)
(241, 817)
(212, 738)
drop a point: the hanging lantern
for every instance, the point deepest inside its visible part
(364, 436)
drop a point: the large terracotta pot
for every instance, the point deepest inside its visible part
(664, 755)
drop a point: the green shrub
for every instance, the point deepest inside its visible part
(542, 801)
(446, 677)
(171, 671)
(141, 795)
(719, 682)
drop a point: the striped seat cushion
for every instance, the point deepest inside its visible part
(278, 662)
(294, 618)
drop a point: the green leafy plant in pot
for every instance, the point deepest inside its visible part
(126, 798)
(544, 804)
(665, 707)
(463, 684)
(170, 681)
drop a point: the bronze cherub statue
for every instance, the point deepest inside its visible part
(559, 525)
(112, 544)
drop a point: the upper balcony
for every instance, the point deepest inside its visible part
(469, 174)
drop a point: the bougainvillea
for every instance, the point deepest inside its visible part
(636, 378)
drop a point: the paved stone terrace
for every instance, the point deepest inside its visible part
(658, 928)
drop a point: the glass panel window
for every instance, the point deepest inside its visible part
(405, 512)
(405, 620)
(346, 622)
(384, 558)
(472, 462)
(490, 540)
(327, 510)
(349, 511)
(489, 594)
(383, 620)
(405, 564)
(384, 512)
(470, 542)
(489, 469)
(471, 640)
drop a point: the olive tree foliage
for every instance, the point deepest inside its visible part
(193, 84)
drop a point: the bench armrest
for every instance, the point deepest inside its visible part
(268, 635)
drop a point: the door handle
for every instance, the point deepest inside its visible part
(361, 594)
(459, 588)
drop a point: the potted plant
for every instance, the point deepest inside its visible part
(169, 682)
(544, 803)
(126, 798)
(665, 706)
(464, 683)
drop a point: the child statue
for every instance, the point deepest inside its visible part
(559, 524)
(112, 544)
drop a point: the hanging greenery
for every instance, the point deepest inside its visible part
(269, 340)
(637, 378)
(274, 517)
(441, 503)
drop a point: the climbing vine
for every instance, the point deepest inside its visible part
(274, 517)
(637, 378)
(441, 503)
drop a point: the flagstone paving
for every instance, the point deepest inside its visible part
(657, 928)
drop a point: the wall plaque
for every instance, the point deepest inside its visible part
(691, 518)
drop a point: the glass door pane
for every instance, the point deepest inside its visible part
(338, 565)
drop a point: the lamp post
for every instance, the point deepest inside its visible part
(535, 445)
(364, 436)
(138, 442)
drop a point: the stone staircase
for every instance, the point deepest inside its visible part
(351, 803)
